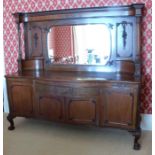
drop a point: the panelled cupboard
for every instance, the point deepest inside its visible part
(101, 95)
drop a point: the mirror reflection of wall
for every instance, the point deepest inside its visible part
(60, 43)
(82, 44)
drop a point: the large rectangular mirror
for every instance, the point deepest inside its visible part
(79, 44)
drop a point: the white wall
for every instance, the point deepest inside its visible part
(146, 123)
(5, 97)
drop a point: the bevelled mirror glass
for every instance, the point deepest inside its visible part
(79, 44)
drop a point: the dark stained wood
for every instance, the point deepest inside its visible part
(76, 77)
(119, 107)
(115, 11)
(82, 110)
(97, 95)
(37, 48)
(50, 107)
(36, 64)
(125, 67)
(10, 119)
(21, 97)
(38, 24)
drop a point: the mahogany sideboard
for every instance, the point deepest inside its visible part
(89, 94)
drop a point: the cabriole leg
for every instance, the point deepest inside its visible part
(10, 119)
(137, 135)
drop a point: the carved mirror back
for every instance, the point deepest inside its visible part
(92, 37)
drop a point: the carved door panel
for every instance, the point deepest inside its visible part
(34, 42)
(82, 110)
(119, 107)
(20, 97)
(50, 100)
(50, 107)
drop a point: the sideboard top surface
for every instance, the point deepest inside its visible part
(75, 76)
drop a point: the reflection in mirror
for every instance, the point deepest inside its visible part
(82, 44)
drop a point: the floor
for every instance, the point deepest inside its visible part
(35, 137)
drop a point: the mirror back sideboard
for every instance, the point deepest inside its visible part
(102, 95)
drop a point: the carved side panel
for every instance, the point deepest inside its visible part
(36, 42)
(124, 40)
(21, 98)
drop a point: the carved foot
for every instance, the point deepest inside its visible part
(136, 146)
(137, 135)
(10, 119)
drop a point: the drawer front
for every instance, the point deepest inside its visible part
(23, 81)
(53, 90)
(85, 92)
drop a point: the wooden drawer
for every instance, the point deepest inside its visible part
(53, 90)
(85, 91)
(19, 81)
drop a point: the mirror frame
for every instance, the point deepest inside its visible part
(108, 29)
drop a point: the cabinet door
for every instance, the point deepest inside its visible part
(82, 110)
(50, 107)
(50, 100)
(20, 97)
(119, 106)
